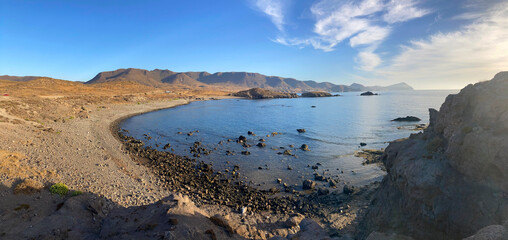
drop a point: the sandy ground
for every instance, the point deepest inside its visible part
(81, 153)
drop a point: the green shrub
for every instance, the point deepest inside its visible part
(59, 188)
(76, 193)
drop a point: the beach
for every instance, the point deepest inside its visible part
(86, 154)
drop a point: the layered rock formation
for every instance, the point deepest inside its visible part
(316, 94)
(451, 180)
(259, 93)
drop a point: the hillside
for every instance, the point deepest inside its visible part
(236, 80)
(18, 79)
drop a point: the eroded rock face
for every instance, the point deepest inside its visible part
(451, 180)
(259, 93)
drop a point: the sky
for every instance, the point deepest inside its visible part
(429, 44)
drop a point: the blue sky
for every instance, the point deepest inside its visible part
(429, 44)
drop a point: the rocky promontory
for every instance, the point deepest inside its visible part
(316, 94)
(259, 93)
(451, 180)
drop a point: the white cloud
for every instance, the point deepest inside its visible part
(272, 8)
(364, 23)
(451, 60)
(368, 60)
(370, 35)
(402, 10)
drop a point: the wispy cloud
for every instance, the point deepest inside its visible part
(273, 9)
(448, 60)
(403, 10)
(365, 23)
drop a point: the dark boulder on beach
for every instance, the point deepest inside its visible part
(407, 119)
(241, 139)
(308, 184)
(261, 144)
(368, 93)
(301, 130)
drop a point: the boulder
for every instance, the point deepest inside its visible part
(308, 184)
(305, 147)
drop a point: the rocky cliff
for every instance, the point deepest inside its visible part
(451, 180)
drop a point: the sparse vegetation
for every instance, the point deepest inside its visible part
(76, 193)
(467, 129)
(59, 188)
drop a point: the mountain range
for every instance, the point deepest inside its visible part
(240, 80)
(224, 80)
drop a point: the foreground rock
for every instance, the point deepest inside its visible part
(316, 94)
(370, 155)
(451, 180)
(259, 93)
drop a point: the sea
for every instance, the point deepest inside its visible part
(334, 128)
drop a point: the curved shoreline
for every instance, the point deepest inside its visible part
(114, 127)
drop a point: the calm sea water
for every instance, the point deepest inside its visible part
(334, 129)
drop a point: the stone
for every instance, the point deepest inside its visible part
(308, 184)
(319, 177)
(332, 183)
(294, 220)
(348, 189)
(301, 130)
(323, 191)
(305, 147)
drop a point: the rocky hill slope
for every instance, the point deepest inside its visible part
(451, 180)
(241, 80)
